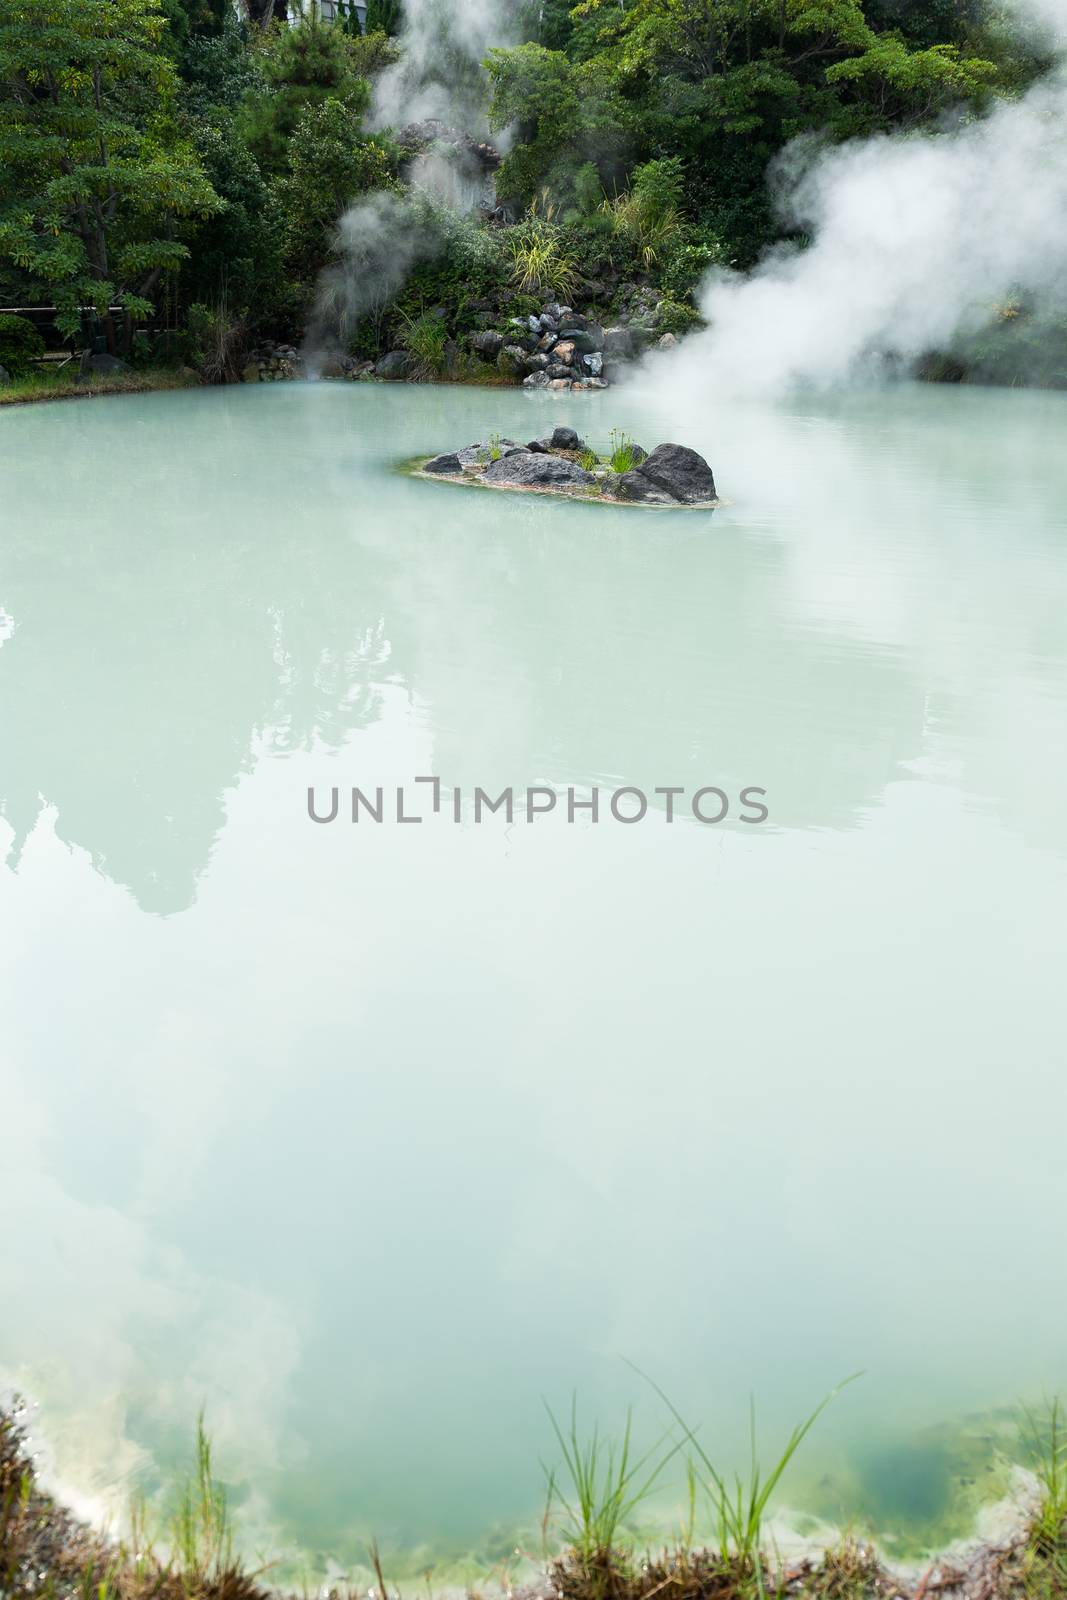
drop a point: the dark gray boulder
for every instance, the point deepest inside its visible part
(587, 337)
(448, 464)
(635, 486)
(680, 472)
(536, 380)
(488, 344)
(565, 439)
(532, 470)
(512, 360)
(396, 364)
(537, 362)
(100, 363)
(520, 334)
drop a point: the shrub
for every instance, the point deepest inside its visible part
(688, 264)
(647, 213)
(588, 190)
(213, 342)
(20, 343)
(673, 316)
(425, 337)
(541, 263)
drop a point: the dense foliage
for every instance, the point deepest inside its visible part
(178, 167)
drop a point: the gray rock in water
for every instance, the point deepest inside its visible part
(488, 344)
(680, 472)
(635, 486)
(480, 454)
(448, 464)
(534, 471)
(536, 380)
(565, 439)
(397, 364)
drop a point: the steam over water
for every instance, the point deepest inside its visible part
(369, 1136)
(911, 242)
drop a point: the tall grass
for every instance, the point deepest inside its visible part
(540, 264)
(1045, 1559)
(201, 1535)
(425, 338)
(607, 1482)
(623, 454)
(738, 1504)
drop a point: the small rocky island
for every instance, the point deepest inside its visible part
(562, 463)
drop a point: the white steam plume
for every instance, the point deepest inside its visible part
(378, 241)
(916, 239)
(439, 74)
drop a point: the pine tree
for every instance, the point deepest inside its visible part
(384, 16)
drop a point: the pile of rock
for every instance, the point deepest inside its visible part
(272, 363)
(562, 463)
(563, 349)
(558, 349)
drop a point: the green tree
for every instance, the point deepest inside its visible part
(329, 165)
(235, 257)
(565, 114)
(97, 186)
(301, 66)
(384, 16)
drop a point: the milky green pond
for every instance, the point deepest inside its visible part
(368, 1137)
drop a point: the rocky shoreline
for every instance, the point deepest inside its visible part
(562, 463)
(555, 348)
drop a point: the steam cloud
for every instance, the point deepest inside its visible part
(915, 241)
(439, 73)
(378, 242)
(439, 76)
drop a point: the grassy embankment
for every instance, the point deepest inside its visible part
(62, 384)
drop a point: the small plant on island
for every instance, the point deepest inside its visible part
(623, 456)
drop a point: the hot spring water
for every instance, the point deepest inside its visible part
(366, 1137)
